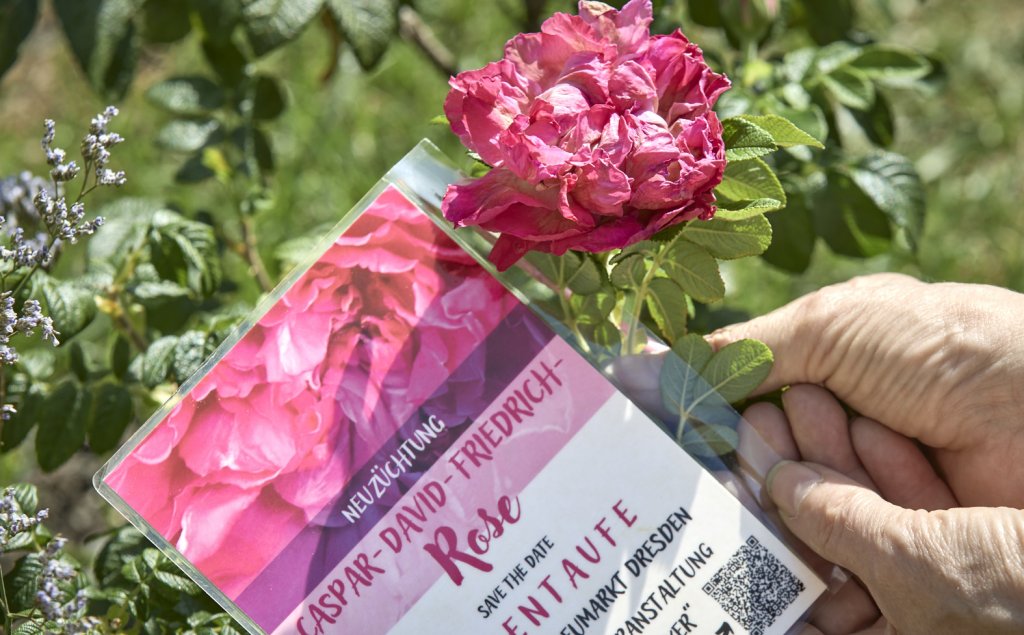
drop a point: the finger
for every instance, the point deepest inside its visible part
(880, 627)
(821, 430)
(898, 467)
(840, 519)
(764, 424)
(849, 609)
(805, 334)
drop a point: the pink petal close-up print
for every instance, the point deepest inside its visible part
(307, 396)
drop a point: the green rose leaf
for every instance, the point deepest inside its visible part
(71, 305)
(185, 251)
(629, 273)
(745, 139)
(156, 363)
(190, 95)
(586, 279)
(17, 17)
(793, 235)
(884, 62)
(21, 422)
(63, 419)
(784, 133)
(368, 26)
(893, 185)
(270, 23)
(742, 210)
(126, 224)
(667, 303)
(877, 122)
(848, 220)
(680, 373)
(850, 87)
(112, 411)
(165, 22)
(738, 368)
(21, 582)
(189, 354)
(710, 440)
(102, 38)
(729, 240)
(749, 180)
(188, 135)
(269, 98)
(695, 270)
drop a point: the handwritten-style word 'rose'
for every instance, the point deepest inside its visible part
(599, 135)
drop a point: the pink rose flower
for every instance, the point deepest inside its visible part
(599, 135)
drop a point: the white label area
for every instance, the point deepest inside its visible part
(623, 533)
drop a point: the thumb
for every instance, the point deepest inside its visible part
(840, 519)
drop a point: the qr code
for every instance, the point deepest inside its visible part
(754, 587)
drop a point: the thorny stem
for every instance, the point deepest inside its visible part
(252, 255)
(640, 296)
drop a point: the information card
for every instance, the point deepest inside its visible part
(399, 445)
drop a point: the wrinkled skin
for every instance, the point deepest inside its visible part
(920, 495)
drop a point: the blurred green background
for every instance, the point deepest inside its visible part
(339, 135)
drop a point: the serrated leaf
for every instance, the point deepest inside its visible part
(187, 135)
(156, 363)
(159, 289)
(586, 279)
(793, 236)
(729, 240)
(224, 57)
(749, 181)
(894, 186)
(270, 23)
(884, 62)
(782, 131)
(849, 222)
(189, 354)
(112, 411)
(850, 87)
(124, 545)
(177, 581)
(134, 570)
(594, 308)
(165, 22)
(185, 251)
(877, 123)
(368, 26)
(268, 98)
(745, 139)
(27, 497)
(695, 270)
(21, 422)
(126, 221)
(666, 302)
(187, 95)
(710, 441)
(21, 582)
(30, 627)
(102, 38)
(629, 273)
(732, 211)
(738, 369)
(70, 306)
(17, 17)
(680, 372)
(63, 418)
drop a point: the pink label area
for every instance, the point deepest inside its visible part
(427, 536)
(342, 360)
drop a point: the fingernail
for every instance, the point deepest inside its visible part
(788, 484)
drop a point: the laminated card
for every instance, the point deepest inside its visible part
(397, 444)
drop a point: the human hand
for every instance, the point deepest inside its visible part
(939, 363)
(930, 571)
